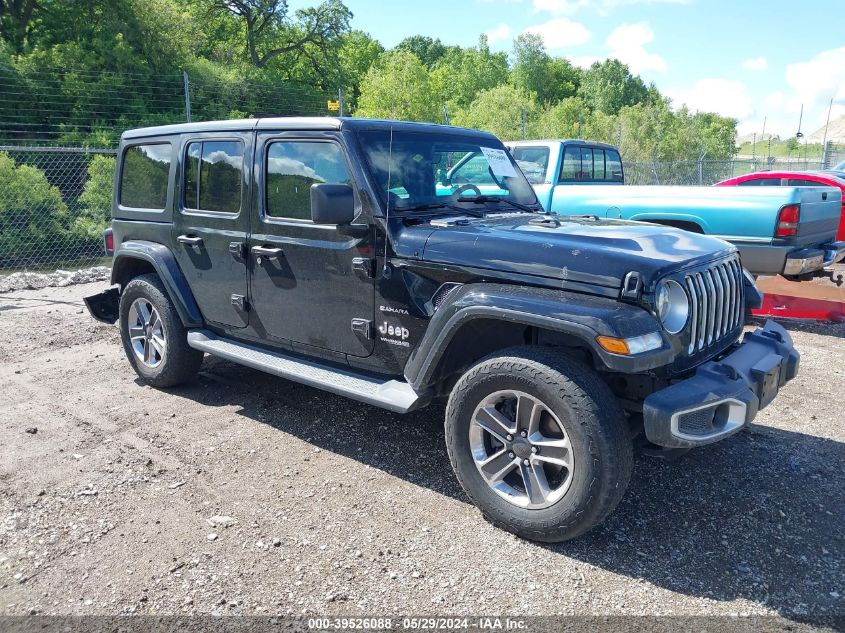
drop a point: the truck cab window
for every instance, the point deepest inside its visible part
(571, 164)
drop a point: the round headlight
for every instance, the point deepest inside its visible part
(672, 306)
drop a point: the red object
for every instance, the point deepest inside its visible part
(793, 300)
(788, 218)
(109, 237)
(788, 178)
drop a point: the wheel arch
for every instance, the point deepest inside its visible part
(480, 319)
(138, 257)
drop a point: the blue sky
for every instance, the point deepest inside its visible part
(748, 59)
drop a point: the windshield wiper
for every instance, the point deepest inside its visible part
(482, 199)
(440, 207)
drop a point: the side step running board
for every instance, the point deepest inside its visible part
(394, 395)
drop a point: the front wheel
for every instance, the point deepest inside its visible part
(538, 443)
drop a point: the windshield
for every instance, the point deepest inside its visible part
(420, 169)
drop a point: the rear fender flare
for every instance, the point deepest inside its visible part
(164, 263)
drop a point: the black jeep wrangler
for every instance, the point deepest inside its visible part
(400, 263)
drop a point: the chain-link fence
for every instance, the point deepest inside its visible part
(54, 204)
(56, 189)
(58, 132)
(707, 172)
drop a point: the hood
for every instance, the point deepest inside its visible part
(578, 249)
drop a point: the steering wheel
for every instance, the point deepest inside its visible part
(467, 187)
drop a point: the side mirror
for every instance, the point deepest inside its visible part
(332, 204)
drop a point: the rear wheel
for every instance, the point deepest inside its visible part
(154, 339)
(539, 443)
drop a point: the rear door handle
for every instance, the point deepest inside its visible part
(196, 242)
(264, 251)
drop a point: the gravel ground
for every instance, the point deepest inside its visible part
(246, 494)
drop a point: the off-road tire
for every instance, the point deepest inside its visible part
(181, 362)
(592, 418)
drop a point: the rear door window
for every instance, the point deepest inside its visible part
(214, 176)
(144, 176)
(803, 182)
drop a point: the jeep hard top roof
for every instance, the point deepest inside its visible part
(297, 123)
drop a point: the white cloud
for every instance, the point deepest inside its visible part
(817, 80)
(501, 32)
(603, 7)
(627, 44)
(560, 33)
(756, 64)
(723, 96)
(583, 61)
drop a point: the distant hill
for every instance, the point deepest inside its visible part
(835, 132)
(749, 138)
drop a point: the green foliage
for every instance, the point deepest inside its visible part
(429, 50)
(398, 87)
(358, 52)
(96, 199)
(87, 69)
(498, 110)
(462, 73)
(608, 86)
(560, 120)
(33, 216)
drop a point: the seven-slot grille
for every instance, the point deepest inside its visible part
(716, 302)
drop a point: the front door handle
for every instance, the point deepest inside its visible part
(264, 251)
(196, 242)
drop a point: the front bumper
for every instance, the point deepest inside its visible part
(811, 260)
(722, 396)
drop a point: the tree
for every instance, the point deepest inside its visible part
(96, 198)
(17, 20)
(608, 86)
(462, 74)
(270, 32)
(358, 52)
(530, 63)
(398, 87)
(498, 110)
(32, 213)
(561, 120)
(562, 80)
(429, 50)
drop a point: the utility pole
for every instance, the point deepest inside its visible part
(446, 114)
(524, 115)
(580, 127)
(340, 102)
(754, 147)
(824, 140)
(186, 88)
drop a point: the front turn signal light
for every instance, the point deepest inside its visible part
(631, 346)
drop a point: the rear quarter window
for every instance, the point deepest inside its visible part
(145, 175)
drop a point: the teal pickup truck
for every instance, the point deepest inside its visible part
(778, 230)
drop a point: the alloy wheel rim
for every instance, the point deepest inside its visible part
(521, 449)
(146, 333)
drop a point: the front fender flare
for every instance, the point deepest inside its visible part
(582, 316)
(165, 265)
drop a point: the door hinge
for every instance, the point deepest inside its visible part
(363, 327)
(363, 267)
(240, 302)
